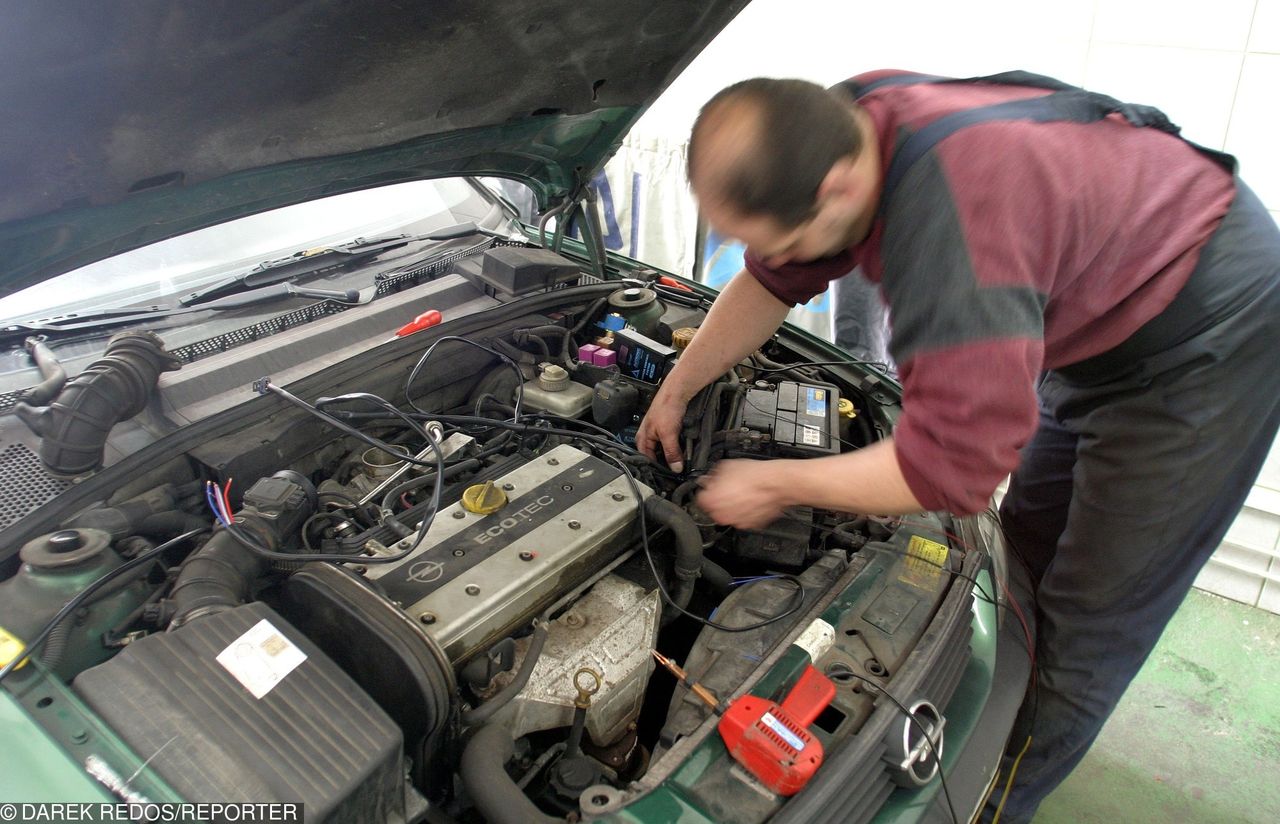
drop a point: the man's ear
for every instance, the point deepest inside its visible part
(842, 184)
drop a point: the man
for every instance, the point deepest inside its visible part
(1082, 299)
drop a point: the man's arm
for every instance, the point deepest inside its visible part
(742, 318)
(752, 494)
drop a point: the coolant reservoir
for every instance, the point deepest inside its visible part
(554, 392)
(54, 568)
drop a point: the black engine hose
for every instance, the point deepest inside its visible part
(485, 711)
(494, 792)
(551, 330)
(688, 563)
(708, 425)
(128, 517)
(55, 377)
(450, 471)
(217, 577)
(114, 388)
(716, 576)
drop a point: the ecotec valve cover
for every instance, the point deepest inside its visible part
(476, 577)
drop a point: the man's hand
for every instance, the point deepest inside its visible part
(745, 494)
(660, 430)
(752, 494)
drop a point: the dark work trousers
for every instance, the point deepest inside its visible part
(1125, 491)
(861, 319)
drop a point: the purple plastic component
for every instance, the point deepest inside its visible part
(587, 353)
(604, 357)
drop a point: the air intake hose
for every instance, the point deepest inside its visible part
(221, 574)
(74, 427)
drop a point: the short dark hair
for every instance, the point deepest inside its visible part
(803, 130)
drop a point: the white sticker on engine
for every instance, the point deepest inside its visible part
(261, 658)
(817, 639)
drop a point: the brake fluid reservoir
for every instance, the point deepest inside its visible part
(553, 392)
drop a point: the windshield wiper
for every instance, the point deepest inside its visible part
(267, 282)
(301, 264)
(106, 318)
(309, 262)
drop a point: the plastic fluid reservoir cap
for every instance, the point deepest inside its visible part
(64, 549)
(632, 298)
(845, 408)
(681, 338)
(553, 378)
(613, 322)
(483, 499)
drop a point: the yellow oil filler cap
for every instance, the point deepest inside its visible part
(483, 499)
(846, 410)
(11, 647)
(682, 337)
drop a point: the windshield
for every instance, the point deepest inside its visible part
(183, 263)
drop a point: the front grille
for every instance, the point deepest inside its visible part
(944, 676)
(868, 785)
(871, 778)
(27, 486)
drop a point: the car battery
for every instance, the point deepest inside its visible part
(801, 419)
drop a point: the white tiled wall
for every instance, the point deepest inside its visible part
(1212, 65)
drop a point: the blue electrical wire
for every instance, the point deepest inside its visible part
(214, 504)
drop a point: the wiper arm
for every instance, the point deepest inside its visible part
(310, 262)
(269, 281)
(302, 264)
(107, 318)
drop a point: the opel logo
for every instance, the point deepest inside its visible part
(915, 745)
(425, 572)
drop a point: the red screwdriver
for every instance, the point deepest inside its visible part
(771, 740)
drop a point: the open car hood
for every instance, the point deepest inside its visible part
(130, 122)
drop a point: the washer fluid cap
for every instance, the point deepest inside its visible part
(553, 378)
(483, 499)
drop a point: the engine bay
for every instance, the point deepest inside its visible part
(434, 580)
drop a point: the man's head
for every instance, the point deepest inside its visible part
(785, 167)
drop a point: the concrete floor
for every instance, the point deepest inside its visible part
(1196, 738)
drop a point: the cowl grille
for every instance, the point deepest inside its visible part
(27, 486)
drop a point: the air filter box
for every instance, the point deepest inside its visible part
(241, 706)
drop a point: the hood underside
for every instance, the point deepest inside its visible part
(129, 122)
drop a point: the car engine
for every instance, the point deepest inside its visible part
(447, 602)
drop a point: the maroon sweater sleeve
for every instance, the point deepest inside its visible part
(967, 410)
(967, 280)
(798, 283)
